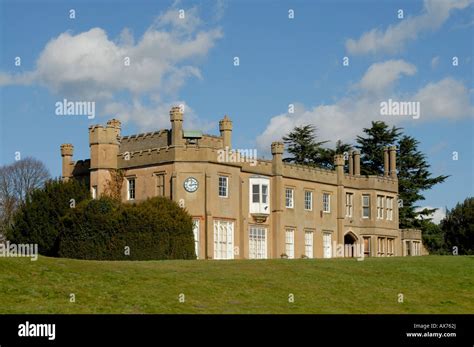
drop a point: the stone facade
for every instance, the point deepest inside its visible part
(251, 209)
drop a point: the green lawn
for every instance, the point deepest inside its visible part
(431, 284)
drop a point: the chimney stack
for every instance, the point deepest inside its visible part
(393, 161)
(356, 158)
(386, 165)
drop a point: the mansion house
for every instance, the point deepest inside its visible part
(251, 209)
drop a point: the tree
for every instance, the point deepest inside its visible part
(414, 176)
(433, 237)
(301, 144)
(371, 145)
(39, 219)
(329, 153)
(17, 181)
(458, 227)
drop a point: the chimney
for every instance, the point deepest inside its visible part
(176, 118)
(67, 150)
(356, 158)
(351, 163)
(225, 127)
(277, 160)
(393, 161)
(386, 168)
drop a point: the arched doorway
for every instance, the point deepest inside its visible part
(350, 245)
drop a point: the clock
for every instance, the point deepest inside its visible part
(191, 184)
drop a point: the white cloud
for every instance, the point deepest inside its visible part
(437, 216)
(447, 98)
(90, 66)
(345, 118)
(380, 76)
(394, 38)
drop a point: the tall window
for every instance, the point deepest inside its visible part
(160, 184)
(326, 202)
(196, 236)
(257, 243)
(367, 246)
(289, 193)
(290, 243)
(349, 204)
(94, 192)
(389, 208)
(380, 207)
(223, 239)
(308, 200)
(381, 246)
(223, 186)
(308, 243)
(390, 247)
(131, 189)
(365, 206)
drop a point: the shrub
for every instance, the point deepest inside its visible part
(105, 229)
(39, 218)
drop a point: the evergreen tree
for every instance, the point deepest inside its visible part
(327, 156)
(301, 144)
(414, 177)
(458, 227)
(378, 136)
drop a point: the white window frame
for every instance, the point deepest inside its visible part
(262, 206)
(289, 197)
(94, 192)
(129, 188)
(380, 206)
(308, 243)
(308, 200)
(326, 203)
(327, 244)
(196, 232)
(257, 242)
(364, 206)
(223, 188)
(223, 239)
(349, 204)
(290, 243)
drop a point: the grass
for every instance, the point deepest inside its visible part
(431, 284)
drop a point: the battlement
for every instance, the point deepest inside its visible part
(67, 149)
(100, 134)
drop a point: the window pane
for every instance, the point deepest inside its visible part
(255, 193)
(264, 193)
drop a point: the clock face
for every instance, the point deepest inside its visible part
(191, 184)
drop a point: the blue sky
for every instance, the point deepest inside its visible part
(282, 61)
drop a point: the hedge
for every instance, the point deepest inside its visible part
(105, 229)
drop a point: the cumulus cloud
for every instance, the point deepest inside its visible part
(91, 66)
(380, 76)
(435, 62)
(345, 118)
(394, 38)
